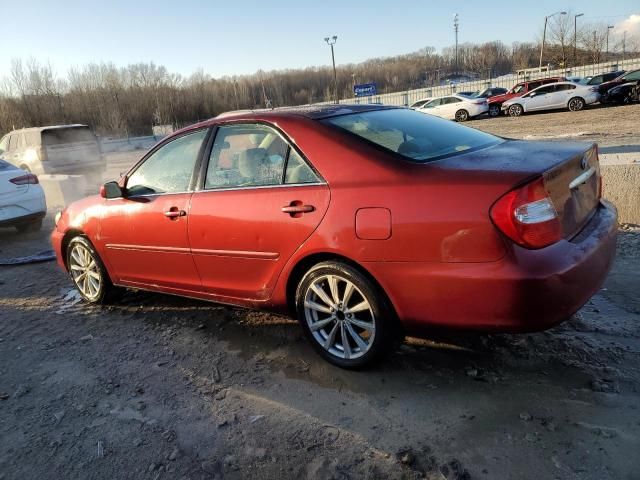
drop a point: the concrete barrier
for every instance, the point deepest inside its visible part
(621, 186)
(61, 190)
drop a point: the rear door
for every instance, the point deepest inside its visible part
(561, 95)
(259, 202)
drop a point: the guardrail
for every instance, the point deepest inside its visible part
(408, 97)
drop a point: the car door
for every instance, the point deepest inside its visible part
(145, 234)
(433, 107)
(539, 99)
(260, 200)
(561, 95)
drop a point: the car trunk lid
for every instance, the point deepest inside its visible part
(570, 171)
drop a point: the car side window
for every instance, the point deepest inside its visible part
(434, 103)
(298, 171)
(453, 100)
(633, 76)
(519, 88)
(246, 155)
(13, 142)
(170, 168)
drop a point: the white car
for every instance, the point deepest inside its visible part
(455, 107)
(552, 96)
(420, 102)
(22, 202)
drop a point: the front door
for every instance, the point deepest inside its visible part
(261, 200)
(540, 99)
(145, 234)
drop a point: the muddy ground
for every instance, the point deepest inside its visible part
(161, 387)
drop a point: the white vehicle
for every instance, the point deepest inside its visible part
(65, 149)
(22, 202)
(552, 96)
(455, 107)
(420, 102)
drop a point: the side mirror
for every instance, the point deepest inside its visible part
(111, 190)
(532, 94)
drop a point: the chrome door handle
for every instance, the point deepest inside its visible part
(175, 213)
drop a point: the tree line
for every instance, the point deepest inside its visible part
(129, 100)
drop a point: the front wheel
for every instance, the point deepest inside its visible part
(462, 116)
(516, 110)
(576, 104)
(345, 316)
(88, 272)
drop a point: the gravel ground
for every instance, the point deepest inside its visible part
(161, 387)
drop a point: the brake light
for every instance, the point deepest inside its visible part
(527, 216)
(29, 179)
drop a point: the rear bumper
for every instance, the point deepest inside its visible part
(22, 219)
(527, 290)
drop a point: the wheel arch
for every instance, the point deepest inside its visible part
(577, 97)
(305, 263)
(68, 236)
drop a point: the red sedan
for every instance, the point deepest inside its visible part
(367, 222)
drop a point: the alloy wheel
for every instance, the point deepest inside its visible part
(462, 116)
(85, 271)
(339, 316)
(575, 104)
(515, 110)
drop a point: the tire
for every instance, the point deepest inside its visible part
(370, 333)
(29, 227)
(516, 110)
(82, 258)
(462, 115)
(575, 104)
(494, 110)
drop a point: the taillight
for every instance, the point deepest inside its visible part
(29, 179)
(527, 216)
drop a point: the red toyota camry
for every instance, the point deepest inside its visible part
(366, 222)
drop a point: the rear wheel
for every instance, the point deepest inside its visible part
(462, 116)
(345, 316)
(516, 110)
(494, 110)
(88, 272)
(575, 104)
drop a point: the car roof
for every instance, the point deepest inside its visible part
(314, 112)
(50, 127)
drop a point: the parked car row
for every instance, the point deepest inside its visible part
(536, 95)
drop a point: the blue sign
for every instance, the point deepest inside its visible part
(365, 90)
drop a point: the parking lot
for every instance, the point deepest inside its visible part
(162, 387)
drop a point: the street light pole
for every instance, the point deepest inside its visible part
(575, 37)
(544, 34)
(331, 42)
(455, 27)
(608, 30)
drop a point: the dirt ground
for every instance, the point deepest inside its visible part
(161, 387)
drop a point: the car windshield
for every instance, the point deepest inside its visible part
(416, 136)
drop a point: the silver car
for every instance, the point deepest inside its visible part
(557, 95)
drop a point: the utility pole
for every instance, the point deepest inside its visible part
(609, 27)
(331, 42)
(455, 27)
(544, 35)
(575, 38)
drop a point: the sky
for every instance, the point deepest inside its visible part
(240, 37)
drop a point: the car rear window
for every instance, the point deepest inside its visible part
(416, 136)
(60, 136)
